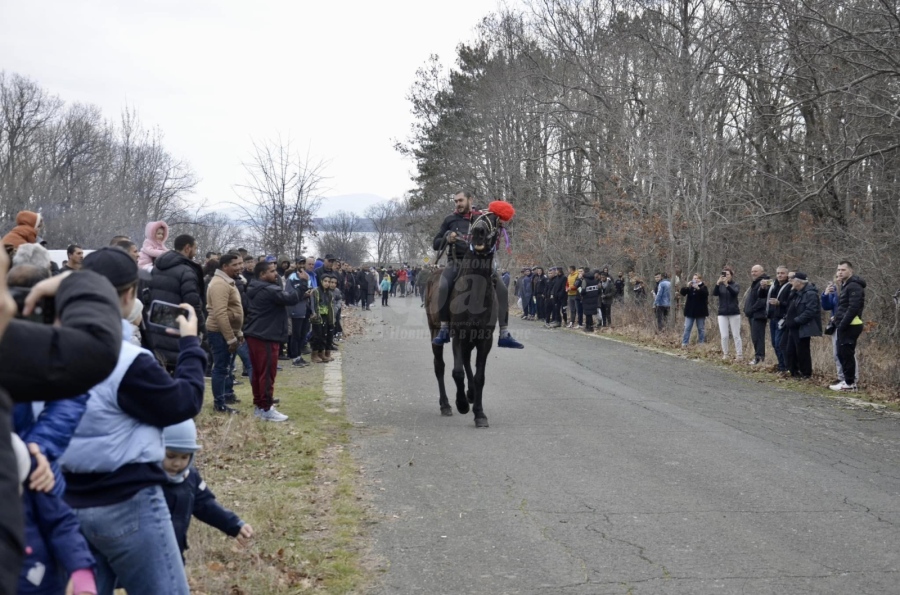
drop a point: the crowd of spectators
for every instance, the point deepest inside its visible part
(788, 307)
(99, 446)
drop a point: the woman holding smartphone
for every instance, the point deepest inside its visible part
(729, 314)
(696, 309)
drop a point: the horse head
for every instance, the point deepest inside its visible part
(484, 234)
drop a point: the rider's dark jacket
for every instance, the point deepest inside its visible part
(460, 224)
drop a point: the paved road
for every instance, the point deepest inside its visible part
(611, 469)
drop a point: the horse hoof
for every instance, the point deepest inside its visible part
(447, 411)
(462, 406)
(481, 422)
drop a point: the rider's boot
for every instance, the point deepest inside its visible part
(506, 340)
(443, 336)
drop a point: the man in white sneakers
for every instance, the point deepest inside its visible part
(848, 323)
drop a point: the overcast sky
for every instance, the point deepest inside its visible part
(215, 74)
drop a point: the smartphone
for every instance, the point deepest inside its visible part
(163, 315)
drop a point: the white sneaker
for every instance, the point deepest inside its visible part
(842, 386)
(271, 415)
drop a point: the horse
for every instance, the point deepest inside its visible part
(473, 318)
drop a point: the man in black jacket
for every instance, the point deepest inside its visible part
(848, 322)
(267, 330)
(177, 279)
(802, 320)
(755, 311)
(776, 306)
(557, 297)
(454, 232)
(42, 362)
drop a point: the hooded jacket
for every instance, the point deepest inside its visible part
(25, 231)
(176, 279)
(590, 296)
(804, 312)
(851, 302)
(268, 310)
(754, 305)
(153, 248)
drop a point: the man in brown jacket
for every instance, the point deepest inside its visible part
(224, 323)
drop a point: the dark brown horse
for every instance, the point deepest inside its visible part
(473, 318)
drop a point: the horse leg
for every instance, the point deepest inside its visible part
(438, 351)
(459, 376)
(470, 376)
(484, 347)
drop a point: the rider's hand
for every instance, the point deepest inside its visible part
(451, 237)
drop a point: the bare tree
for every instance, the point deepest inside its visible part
(341, 234)
(387, 221)
(280, 196)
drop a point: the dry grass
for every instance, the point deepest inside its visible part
(879, 372)
(295, 483)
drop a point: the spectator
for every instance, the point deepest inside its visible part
(755, 311)
(300, 325)
(323, 318)
(607, 295)
(663, 300)
(620, 287)
(75, 256)
(155, 235)
(28, 227)
(557, 295)
(326, 268)
(830, 304)
(590, 300)
(422, 277)
(247, 273)
(504, 276)
(112, 466)
(729, 314)
(571, 295)
(177, 279)
(266, 331)
(32, 254)
(130, 247)
(402, 278)
(224, 324)
(696, 309)
(385, 290)
(372, 287)
(116, 239)
(802, 320)
(848, 323)
(639, 290)
(528, 282)
(187, 495)
(776, 307)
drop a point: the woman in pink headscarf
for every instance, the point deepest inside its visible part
(155, 235)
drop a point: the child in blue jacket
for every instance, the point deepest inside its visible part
(187, 494)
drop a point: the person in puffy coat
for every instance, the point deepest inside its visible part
(155, 235)
(696, 309)
(27, 229)
(177, 279)
(590, 299)
(802, 321)
(187, 495)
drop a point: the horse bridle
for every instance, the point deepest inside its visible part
(491, 233)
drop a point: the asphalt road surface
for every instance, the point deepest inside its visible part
(612, 469)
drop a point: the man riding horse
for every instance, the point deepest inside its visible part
(454, 233)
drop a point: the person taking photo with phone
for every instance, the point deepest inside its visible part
(729, 312)
(113, 466)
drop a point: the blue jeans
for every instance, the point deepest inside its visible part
(689, 325)
(243, 352)
(222, 381)
(776, 333)
(134, 544)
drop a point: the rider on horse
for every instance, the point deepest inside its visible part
(455, 233)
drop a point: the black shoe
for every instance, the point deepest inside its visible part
(283, 358)
(226, 409)
(276, 401)
(231, 399)
(245, 374)
(300, 362)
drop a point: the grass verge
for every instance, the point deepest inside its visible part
(295, 483)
